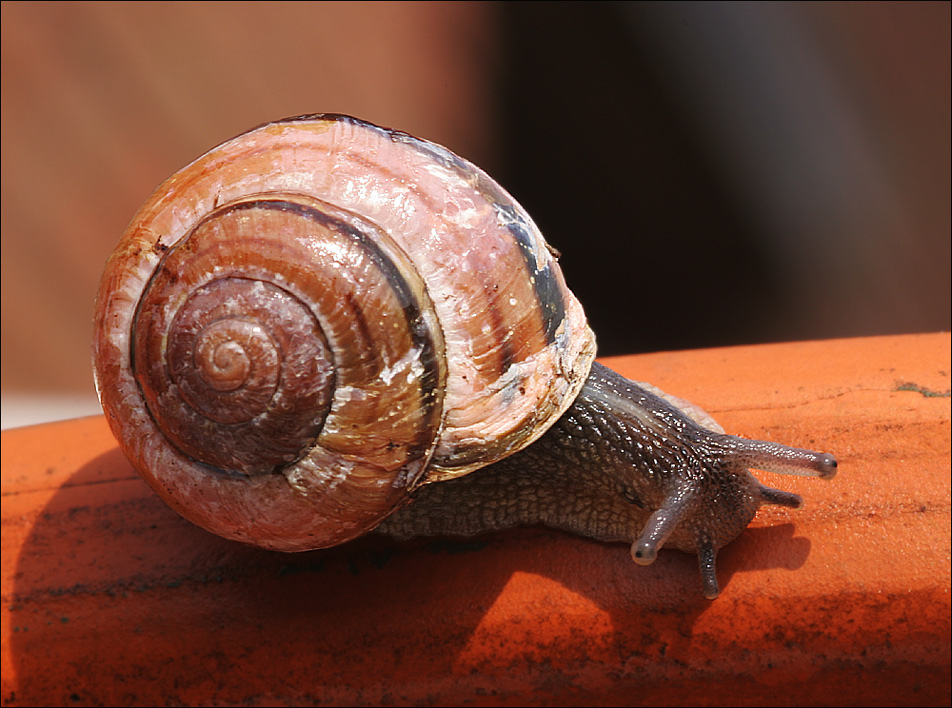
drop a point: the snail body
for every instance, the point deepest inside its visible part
(322, 327)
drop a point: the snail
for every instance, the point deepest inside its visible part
(323, 327)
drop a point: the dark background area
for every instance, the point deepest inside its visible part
(725, 173)
(595, 147)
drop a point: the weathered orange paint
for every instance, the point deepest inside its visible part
(110, 597)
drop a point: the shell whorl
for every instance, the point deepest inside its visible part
(317, 316)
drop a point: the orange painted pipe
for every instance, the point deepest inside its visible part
(111, 598)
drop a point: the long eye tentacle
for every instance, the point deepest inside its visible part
(661, 524)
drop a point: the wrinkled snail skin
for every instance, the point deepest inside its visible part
(621, 464)
(321, 324)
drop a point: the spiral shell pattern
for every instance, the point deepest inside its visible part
(318, 316)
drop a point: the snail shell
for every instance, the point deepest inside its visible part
(316, 317)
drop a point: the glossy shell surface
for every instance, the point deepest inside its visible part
(319, 315)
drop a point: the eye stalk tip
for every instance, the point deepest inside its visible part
(826, 465)
(643, 552)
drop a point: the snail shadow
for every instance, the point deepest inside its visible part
(117, 599)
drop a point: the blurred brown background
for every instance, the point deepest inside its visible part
(713, 173)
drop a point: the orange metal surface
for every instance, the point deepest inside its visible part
(108, 597)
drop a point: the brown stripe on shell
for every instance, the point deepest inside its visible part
(520, 330)
(495, 352)
(355, 366)
(548, 301)
(406, 303)
(237, 419)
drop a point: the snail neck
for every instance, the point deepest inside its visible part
(622, 464)
(612, 459)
